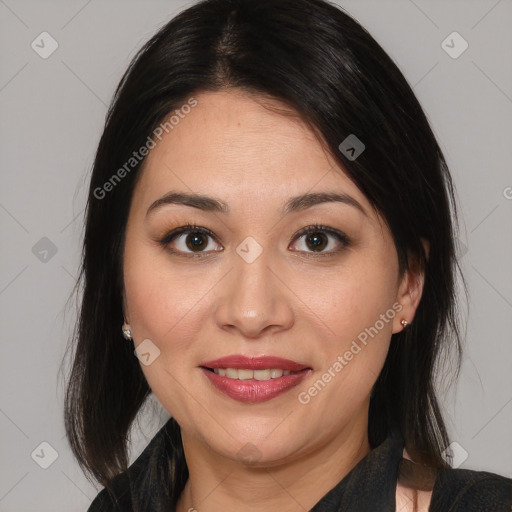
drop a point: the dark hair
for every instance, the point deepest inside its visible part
(326, 67)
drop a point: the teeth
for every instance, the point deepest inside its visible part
(232, 373)
(243, 374)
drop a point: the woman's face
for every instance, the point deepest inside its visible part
(256, 286)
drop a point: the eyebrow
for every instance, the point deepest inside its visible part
(294, 204)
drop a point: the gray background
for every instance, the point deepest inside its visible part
(52, 113)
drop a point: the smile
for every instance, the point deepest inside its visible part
(254, 379)
(244, 374)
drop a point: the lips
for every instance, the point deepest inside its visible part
(243, 387)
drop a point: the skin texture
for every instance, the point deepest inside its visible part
(290, 302)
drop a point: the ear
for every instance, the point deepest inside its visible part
(410, 290)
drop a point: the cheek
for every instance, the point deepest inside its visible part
(352, 297)
(162, 304)
(149, 291)
(164, 307)
(354, 311)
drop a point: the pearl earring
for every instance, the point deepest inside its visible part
(404, 323)
(127, 333)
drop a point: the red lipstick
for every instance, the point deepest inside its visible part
(253, 390)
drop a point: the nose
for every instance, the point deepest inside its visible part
(254, 300)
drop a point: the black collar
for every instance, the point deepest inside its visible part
(371, 484)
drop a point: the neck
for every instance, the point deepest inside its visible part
(218, 483)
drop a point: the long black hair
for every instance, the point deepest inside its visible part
(321, 62)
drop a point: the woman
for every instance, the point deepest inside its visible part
(270, 231)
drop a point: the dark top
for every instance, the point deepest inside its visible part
(369, 487)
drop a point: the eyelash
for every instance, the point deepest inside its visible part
(315, 228)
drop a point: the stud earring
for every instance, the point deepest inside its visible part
(127, 333)
(404, 323)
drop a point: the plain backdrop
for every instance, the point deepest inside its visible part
(52, 114)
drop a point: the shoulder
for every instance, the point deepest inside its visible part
(423, 488)
(126, 488)
(464, 490)
(117, 498)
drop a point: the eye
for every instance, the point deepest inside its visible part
(316, 238)
(190, 237)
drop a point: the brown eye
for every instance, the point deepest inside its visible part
(189, 240)
(317, 239)
(196, 240)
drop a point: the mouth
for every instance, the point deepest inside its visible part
(254, 379)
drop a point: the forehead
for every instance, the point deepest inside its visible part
(240, 147)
